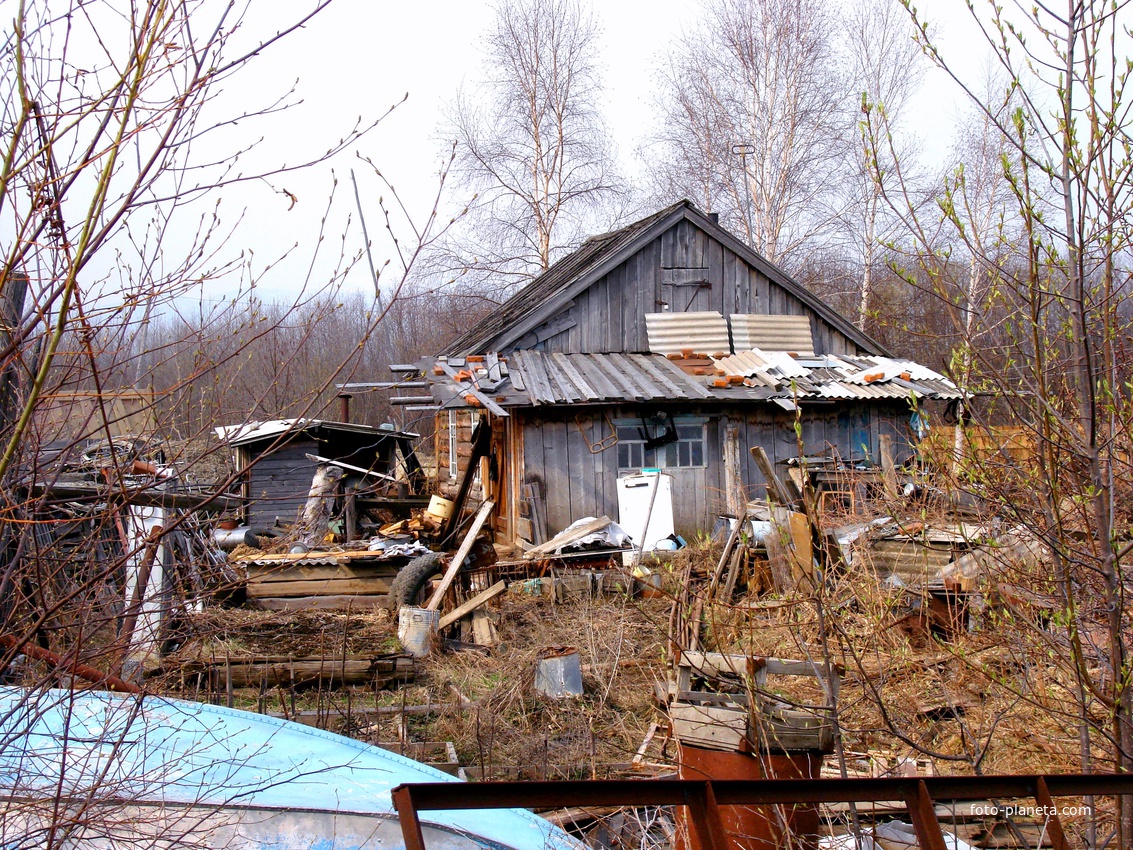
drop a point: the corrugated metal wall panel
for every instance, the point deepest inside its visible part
(705, 332)
(772, 333)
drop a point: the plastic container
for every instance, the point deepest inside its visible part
(417, 630)
(439, 507)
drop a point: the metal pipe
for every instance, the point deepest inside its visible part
(344, 407)
(229, 538)
(75, 668)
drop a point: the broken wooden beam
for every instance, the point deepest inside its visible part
(564, 538)
(461, 553)
(472, 604)
(776, 489)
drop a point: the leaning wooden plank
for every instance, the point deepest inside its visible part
(776, 489)
(340, 602)
(472, 604)
(640, 755)
(461, 553)
(733, 536)
(564, 538)
(320, 459)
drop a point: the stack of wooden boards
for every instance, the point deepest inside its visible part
(336, 581)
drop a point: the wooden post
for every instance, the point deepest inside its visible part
(888, 467)
(733, 481)
(776, 490)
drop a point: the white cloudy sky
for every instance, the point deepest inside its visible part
(360, 56)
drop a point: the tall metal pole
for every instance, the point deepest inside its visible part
(743, 150)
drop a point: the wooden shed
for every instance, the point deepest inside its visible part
(667, 344)
(276, 472)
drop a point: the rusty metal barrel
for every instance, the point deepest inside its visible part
(754, 827)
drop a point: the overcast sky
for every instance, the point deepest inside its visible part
(359, 57)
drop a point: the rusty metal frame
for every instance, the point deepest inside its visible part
(704, 797)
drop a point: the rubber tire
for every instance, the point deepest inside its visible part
(411, 579)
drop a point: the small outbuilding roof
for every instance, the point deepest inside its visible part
(254, 432)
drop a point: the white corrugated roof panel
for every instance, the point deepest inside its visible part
(772, 333)
(705, 332)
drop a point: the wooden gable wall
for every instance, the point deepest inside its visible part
(609, 316)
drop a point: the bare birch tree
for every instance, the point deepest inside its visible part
(1064, 370)
(532, 145)
(753, 120)
(886, 68)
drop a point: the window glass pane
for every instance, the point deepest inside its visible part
(623, 455)
(683, 454)
(697, 450)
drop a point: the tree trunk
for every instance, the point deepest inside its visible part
(316, 513)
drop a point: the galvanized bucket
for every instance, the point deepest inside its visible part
(417, 630)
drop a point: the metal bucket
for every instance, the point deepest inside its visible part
(417, 630)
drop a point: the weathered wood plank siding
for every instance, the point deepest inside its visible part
(575, 482)
(279, 483)
(609, 316)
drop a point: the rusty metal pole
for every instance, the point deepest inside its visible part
(923, 815)
(1053, 824)
(407, 817)
(344, 407)
(704, 816)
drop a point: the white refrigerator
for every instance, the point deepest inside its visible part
(645, 508)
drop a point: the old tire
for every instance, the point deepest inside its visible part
(410, 581)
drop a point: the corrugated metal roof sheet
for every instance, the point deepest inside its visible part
(535, 378)
(671, 333)
(772, 333)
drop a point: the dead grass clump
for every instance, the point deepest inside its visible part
(620, 645)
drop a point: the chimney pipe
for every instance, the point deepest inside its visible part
(344, 407)
(714, 218)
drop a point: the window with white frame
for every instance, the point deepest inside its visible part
(668, 443)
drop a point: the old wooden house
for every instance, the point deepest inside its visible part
(666, 344)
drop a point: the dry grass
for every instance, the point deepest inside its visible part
(1000, 699)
